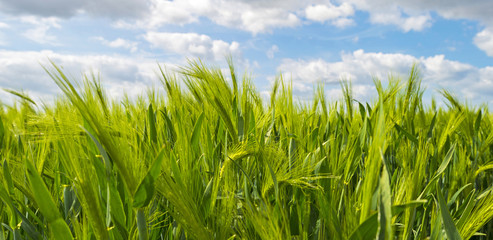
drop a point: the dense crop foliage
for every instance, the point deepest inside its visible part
(209, 159)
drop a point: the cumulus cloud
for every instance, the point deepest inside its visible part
(264, 16)
(172, 12)
(21, 70)
(416, 23)
(64, 9)
(343, 22)
(484, 41)
(322, 13)
(252, 16)
(119, 43)
(395, 16)
(337, 15)
(445, 72)
(455, 9)
(415, 14)
(39, 30)
(262, 20)
(357, 66)
(193, 45)
(360, 67)
(485, 84)
(255, 16)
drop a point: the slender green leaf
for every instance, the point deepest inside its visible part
(145, 190)
(44, 200)
(142, 225)
(8, 177)
(477, 123)
(439, 171)
(448, 223)
(2, 132)
(368, 229)
(196, 131)
(151, 117)
(384, 209)
(407, 134)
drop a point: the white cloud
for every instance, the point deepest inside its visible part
(256, 16)
(272, 50)
(262, 20)
(416, 23)
(445, 72)
(484, 41)
(21, 70)
(414, 15)
(343, 22)
(41, 26)
(485, 85)
(172, 12)
(438, 72)
(310, 71)
(252, 16)
(482, 89)
(193, 45)
(407, 15)
(454, 9)
(396, 17)
(65, 9)
(357, 66)
(4, 25)
(264, 16)
(337, 15)
(119, 43)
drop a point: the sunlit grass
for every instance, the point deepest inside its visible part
(209, 159)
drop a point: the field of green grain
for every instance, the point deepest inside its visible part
(208, 158)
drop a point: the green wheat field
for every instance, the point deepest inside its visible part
(204, 156)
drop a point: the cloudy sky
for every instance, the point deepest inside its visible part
(308, 41)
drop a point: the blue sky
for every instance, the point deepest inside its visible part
(308, 41)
